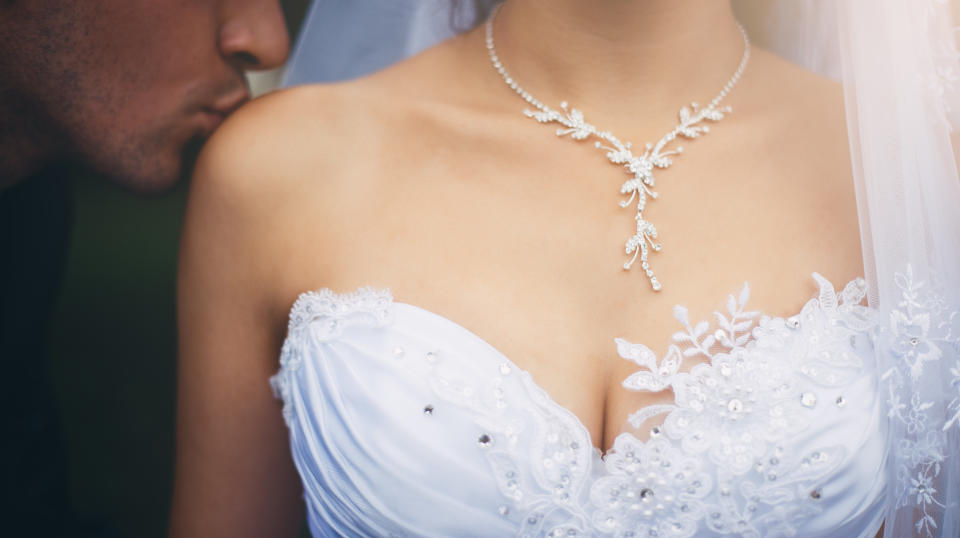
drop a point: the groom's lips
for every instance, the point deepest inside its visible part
(214, 114)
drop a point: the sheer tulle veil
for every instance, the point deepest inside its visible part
(900, 69)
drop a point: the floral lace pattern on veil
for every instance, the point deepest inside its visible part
(921, 332)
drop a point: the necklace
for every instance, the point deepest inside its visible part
(640, 167)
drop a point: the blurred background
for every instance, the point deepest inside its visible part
(112, 347)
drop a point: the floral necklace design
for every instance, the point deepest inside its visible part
(639, 166)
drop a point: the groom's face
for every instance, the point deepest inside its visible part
(133, 87)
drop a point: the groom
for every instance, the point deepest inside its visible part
(126, 89)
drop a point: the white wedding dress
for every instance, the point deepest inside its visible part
(827, 423)
(403, 423)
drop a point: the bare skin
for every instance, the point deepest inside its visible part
(428, 180)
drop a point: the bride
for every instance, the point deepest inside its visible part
(514, 236)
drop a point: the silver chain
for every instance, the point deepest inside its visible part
(640, 167)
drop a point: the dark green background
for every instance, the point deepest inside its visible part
(113, 351)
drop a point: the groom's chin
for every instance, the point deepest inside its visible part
(188, 159)
(155, 173)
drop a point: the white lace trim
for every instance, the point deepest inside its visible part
(325, 313)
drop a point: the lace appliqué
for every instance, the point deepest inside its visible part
(321, 316)
(739, 409)
(722, 458)
(922, 331)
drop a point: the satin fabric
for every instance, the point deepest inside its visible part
(403, 423)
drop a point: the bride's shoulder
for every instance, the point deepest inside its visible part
(328, 130)
(783, 93)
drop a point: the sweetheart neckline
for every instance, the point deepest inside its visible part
(502, 357)
(596, 451)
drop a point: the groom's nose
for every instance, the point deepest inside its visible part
(253, 34)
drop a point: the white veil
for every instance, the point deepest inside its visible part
(900, 68)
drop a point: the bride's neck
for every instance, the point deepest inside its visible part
(631, 53)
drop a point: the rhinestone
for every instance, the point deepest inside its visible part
(505, 369)
(774, 461)
(428, 410)
(720, 335)
(484, 440)
(431, 356)
(808, 399)
(646, 493)
(715, 515)
(503, 510)
(654, 431)
(841, 401)
(398, 352)
(772, 477)
(914, 341)
(793, 322)
(725, 492)
(735, 406)
(815, 494)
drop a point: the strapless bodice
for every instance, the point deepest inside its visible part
(404, 423)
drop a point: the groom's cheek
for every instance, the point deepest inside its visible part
(131, 86)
